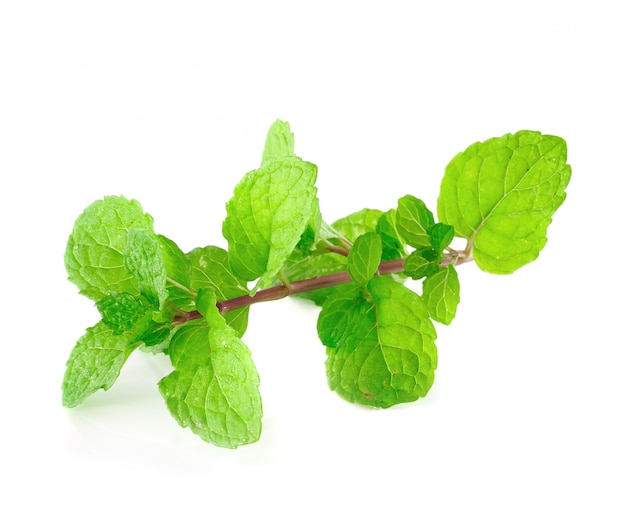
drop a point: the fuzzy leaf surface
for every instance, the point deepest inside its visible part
(441, 293)
(267, 216)
(387, 355)
(94, 255)
(501, 194)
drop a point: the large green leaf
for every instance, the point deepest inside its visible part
(501, 194)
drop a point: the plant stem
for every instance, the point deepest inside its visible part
(311, 284)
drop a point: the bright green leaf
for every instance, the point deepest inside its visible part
(441, 293)
(422, 262)
(440, 236)
(501, 194)
(267, 216)
(413, 219)
(210, 269)
(357, 223)
(121, 312)
(94, 256)
(144, 261)
(279, 142)
(393, 245)
(95, 363)
(341, 314)
(387, 355)
(364, 257)
(214, 387)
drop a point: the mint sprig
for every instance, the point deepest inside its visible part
(499, 196)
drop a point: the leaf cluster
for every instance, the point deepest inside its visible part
(498, 197)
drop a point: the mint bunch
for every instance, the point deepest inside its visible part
(497, 198)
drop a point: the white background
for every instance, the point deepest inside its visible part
(169, 103)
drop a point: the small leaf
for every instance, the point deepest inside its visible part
(95, 363)
(121, 312)
(364, 258)
(387, 355)
(340, 316)
(144, 261)
(422, 262)
(393, 245)
(279, 142)
(267, 216)
(214, 387)
(94, 256)
(441, 292)
(441, 236)
(501, 194)
(413, 219)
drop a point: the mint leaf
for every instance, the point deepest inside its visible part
(501, 194)
(340, 314)
(440, 236)
(95, 362)
(413, 219)
(267, 216)
(388, 354)
(144, 261)
(210, 269)
(121, 312)
(94, 256)
(393, 245)
(176, 263)
(357, 223)
(441, 292)
(422, 262)
(214, 387)
(279, 142)
(364, 257)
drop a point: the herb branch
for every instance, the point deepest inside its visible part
(379, 337)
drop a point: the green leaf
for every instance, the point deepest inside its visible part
(176, 263)
(214, 387)
(144, 261)
(393, 245)
(121, 312)
(422, 262)
(364, 258)
(413, 219)
(94, 256)
(279, 142)
(441, 236)
(267, 216)
(357, 223)
(341, 314)
(441, 293)
(95, 362)
(210, 269)
(386, 355)
(501, 194)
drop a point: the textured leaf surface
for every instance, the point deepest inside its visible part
(413, 219)
(94, 256)
(95, 363)
(121, 312)
(279, 142)
(501, 194)
(441, 292)
(210, 269)
(267, 216)
(364, 257)
(422, 262)
(386, 354)
(214, 387)
(393, 245)
(144, 261)
(357, 223)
